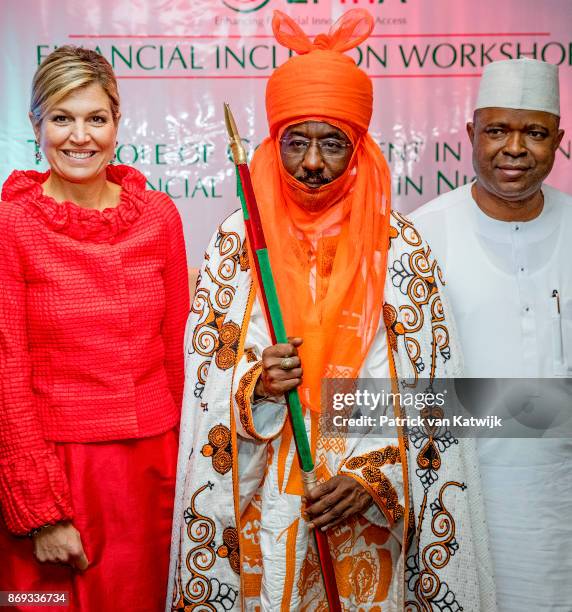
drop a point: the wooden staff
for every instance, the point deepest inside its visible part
(271, 305)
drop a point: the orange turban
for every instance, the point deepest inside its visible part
(327, 246)
(321, 81)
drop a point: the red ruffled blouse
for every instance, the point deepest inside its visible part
(93, 306)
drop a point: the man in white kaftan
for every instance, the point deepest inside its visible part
(505, 246)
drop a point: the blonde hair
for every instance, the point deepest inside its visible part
(67, 69)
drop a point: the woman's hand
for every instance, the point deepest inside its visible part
(281, 369)
(60, 543)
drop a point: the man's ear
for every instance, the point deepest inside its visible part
(559, 138)
(471, 131)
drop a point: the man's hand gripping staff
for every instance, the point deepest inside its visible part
(277, 360)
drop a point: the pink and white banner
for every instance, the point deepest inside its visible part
(177, 61)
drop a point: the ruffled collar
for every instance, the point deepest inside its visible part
(25, 187)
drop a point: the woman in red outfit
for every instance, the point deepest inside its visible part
(93, 302)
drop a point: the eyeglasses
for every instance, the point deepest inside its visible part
(330, 148)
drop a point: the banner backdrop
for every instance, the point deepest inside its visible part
(178, 60)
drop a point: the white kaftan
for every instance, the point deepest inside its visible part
(501, 277)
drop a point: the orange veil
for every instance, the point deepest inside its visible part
(327, 246)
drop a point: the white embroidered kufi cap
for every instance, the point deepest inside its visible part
(520, 84)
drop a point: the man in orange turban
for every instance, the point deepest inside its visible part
(361, 296)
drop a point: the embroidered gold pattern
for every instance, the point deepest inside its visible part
(209, 308)
(369, 465)
(228, 338)
(414, 275)
(243, 261)
(219, 448)
(394, 327)
(434, 557)
(242, 397)
(230, 549)
(375, 459)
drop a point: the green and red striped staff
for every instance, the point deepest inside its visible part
(271, 305)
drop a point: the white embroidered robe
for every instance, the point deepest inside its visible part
(239, 538)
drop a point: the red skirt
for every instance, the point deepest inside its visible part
(122, 496)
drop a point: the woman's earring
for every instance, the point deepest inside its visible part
(38, 153)
(114, 158)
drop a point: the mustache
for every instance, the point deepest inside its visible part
(314, 177)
